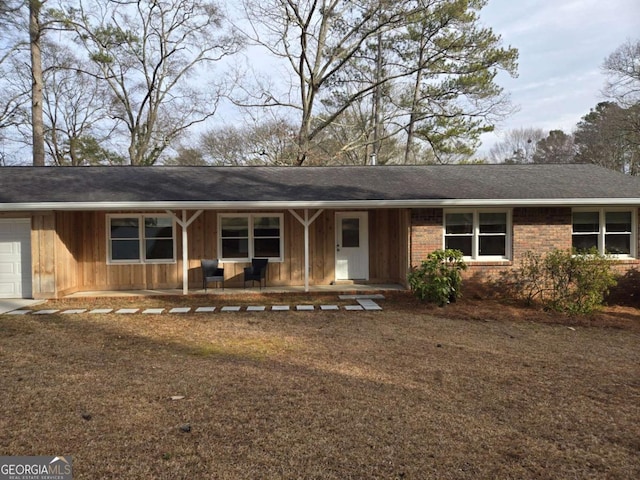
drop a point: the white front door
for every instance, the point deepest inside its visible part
(15, 258)
(352, 246)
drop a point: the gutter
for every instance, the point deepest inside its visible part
(328, 204)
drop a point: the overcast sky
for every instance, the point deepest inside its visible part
(562, 45)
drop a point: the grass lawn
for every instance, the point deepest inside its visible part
(478, 390)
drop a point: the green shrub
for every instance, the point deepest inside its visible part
(563, 281)
(438, 279)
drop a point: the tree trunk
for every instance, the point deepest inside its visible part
(414, 105)
(377, 101)
(37, 83)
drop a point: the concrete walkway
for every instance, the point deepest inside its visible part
(10, 304)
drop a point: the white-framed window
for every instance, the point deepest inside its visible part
(479, 234)
(137, 238)
(610, 231)
(243, 236)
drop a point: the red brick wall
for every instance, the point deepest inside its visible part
(539, 229)
(426, 233)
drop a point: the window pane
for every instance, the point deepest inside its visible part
(458, 223)
(618, 221)
(462, 243)
(124, 228)
(159, 249)
(617, 244)
(586, 222)
(492, 245)
(235, 248)
(266, 247)
(350, 232)
(266, 226)
(234, 227)
(583, 243)
(125, 250)
(158, 227)
(493, 223)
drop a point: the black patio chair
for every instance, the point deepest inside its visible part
(256, 272)
(211, 273)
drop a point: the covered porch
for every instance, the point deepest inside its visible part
(356, 289)
(311, 242)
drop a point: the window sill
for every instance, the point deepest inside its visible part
(138, 262)
(489, 263)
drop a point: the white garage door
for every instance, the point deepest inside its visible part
(15, 258)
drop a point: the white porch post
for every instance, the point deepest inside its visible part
(185, 254)
(306, 222)
(184, 225)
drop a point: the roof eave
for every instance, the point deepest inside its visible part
(332, 204)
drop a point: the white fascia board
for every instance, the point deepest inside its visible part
(273, 205)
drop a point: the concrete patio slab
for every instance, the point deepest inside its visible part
(256, 308)
(73, 311)
(127, 311)
(101, 310)
(46, 312)
(353, 307)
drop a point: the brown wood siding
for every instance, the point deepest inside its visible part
(66, 269)
(82, 250)
(388, 245)
(43, 251)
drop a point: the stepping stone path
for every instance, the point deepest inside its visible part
(364, 302)
(180, 310)
(329, 307)
(155, 311)
(205, 309)
(368, 304)
(230, 309)
(280, 308)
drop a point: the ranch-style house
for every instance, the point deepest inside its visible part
(73, 229)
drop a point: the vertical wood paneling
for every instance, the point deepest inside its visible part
(82, 252)
(43, 249)
(66, 251)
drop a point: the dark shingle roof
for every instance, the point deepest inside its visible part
(172, 186)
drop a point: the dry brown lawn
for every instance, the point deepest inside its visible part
(477, 390)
